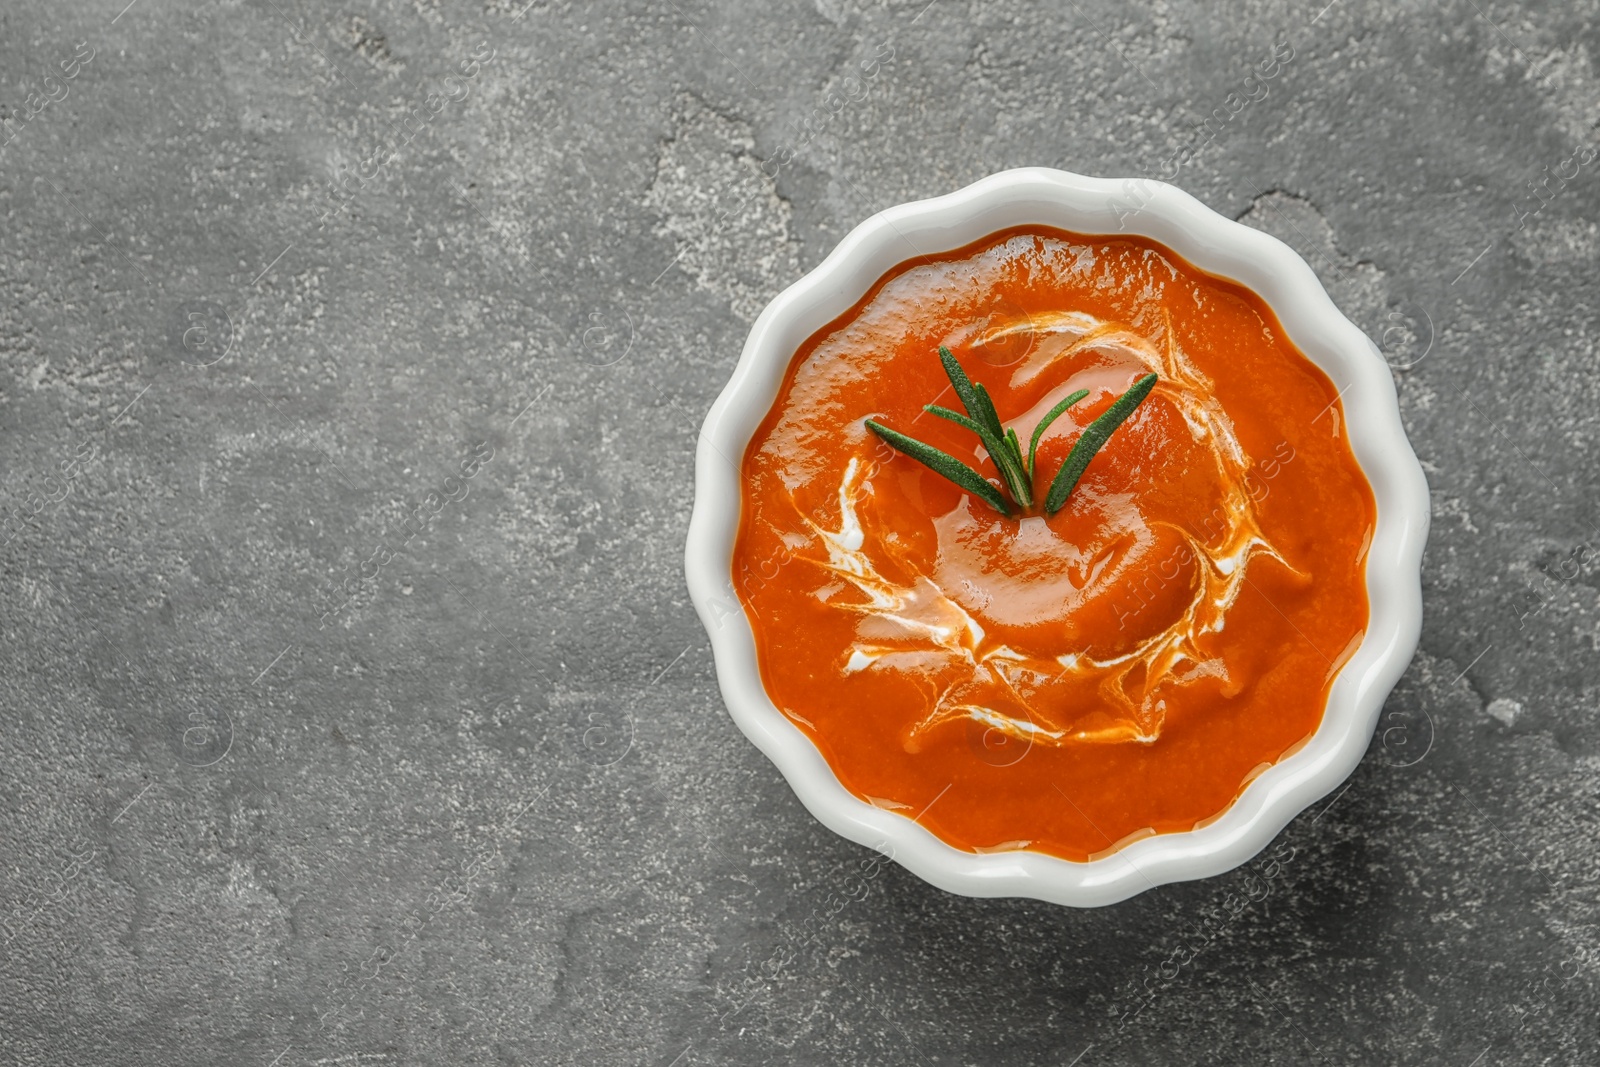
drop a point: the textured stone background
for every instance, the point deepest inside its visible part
(283, 785)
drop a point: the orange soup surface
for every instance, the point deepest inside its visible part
(1060, 684)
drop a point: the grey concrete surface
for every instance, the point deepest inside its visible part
(293, 772)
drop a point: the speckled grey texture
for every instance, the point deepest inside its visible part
(293, 772)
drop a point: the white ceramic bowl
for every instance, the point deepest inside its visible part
(1215, 244)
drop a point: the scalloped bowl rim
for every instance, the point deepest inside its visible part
(1218, 245)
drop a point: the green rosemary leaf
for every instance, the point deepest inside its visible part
(959, 379)
(1023, 488)
(944, 465)
(1044, 424)
(986, 413)
(1016, 478)
(1091, 440)
(955, 417)
(1018, 460)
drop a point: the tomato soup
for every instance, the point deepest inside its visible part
(1059, 683)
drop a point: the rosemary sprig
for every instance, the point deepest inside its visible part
(1003, 445)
